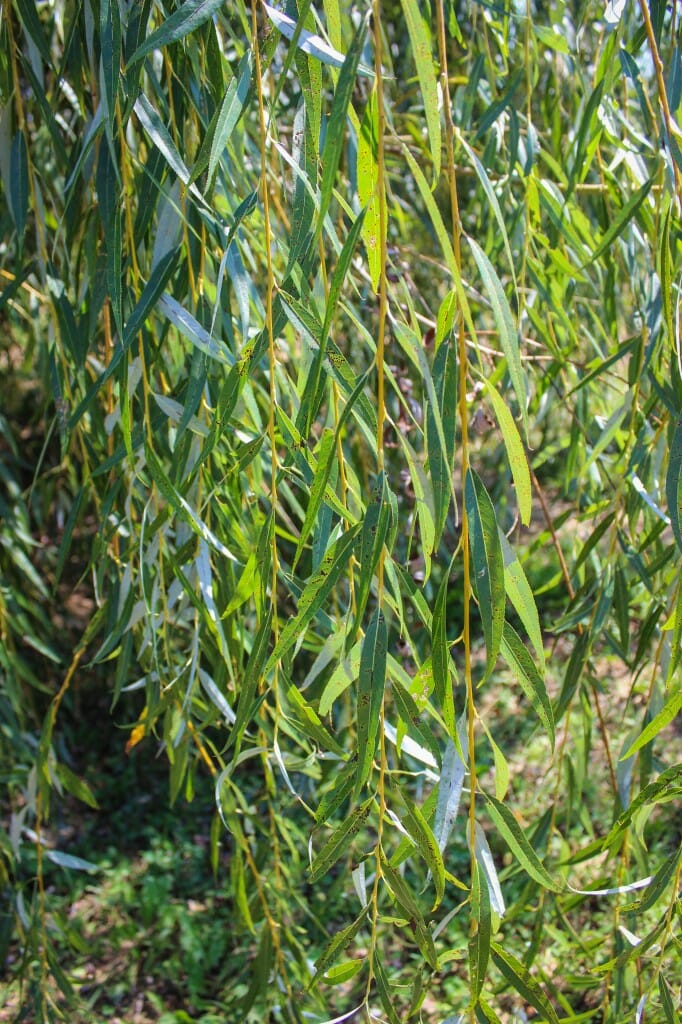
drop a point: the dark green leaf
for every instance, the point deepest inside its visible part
(673, 483)
(488, 565)
(518, 843)
(181, 22)
(19, 187)
(523, 982)
(340, 839)
(371, 684)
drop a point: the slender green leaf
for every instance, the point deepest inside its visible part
(518, 843)
(384, 991)
(28, 12)
(187, 18)
(673, 483)
(372, 538)
(506, 329)
(371, 682)
(665, 716)
(18, 184)
(410, 908)
(523, 982)
(230, 112)
(515, 452)
(367, 171)
(625, 215)
(318, 587)
(488, 565)
(337, 945)
(420, 39)
(479, 942)
(110, 42)
(181, 506)
(339, 841)
(440, 654)
(335, 134)
(669, 1009)
(420, 831)
(530, 680)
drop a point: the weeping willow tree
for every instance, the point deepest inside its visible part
(356, 338)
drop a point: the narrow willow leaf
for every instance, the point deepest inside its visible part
(479, 942)
(665, 716)
(521, 596)
(423, 496)
(665, 269)
(108, 201)
(414, 348)
(625, 215)
(673, 483)
(371, 683)
(440, 655)
(335, 287)
(440, 437)
(336, 135)
(409, 713)
(230, 111)
(181, 507)
(318, 587)
(18, 184)
(188, 17)
(506, 329)
(110, 42)
(68, 860)
(311, 724)
(384, 991)
(669, 1009)
(339, 275)
(339, 841)
(260, 972)
(367, 171)
(528, 677)
(304, 159)
(666, 787)
(190, 328)
(410, 908)
(160, 136)
(488, 565)
(516, 840)
(501, 766)
(309, 42)
(327, 450)
(342, 790)
(343, 972)
(341, 678)
(372, 538)
(28, 13)
(484, 859)
(518, 975)
(515, 452)
(76, 786)
(418, 827)
(492, 199)
(450, 788)
(253, 675)
(335, 947)
(238, 888)
(420, 39)
(216, 697)
(484, 1013)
